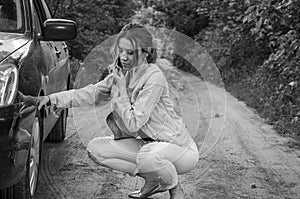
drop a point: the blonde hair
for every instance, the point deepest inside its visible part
(138, 35)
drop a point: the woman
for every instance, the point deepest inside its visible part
(158, 146)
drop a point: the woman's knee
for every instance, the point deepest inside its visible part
(186, 163)
(97, 146)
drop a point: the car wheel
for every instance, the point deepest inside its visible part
(58, 132)
(25, 189)
(7, 193)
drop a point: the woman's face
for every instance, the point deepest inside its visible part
(127, 55)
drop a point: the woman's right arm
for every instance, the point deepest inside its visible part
(80, 97)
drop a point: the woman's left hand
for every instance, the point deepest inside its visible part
(120, 79)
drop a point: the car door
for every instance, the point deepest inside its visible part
(57, 77)
(52, 61)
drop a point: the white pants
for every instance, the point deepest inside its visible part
(133, 156)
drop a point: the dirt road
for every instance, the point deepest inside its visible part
(240, 156)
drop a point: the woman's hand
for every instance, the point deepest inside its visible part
(42, 101)
(121, 81)
(37, 101)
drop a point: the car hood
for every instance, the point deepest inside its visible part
(10, 42)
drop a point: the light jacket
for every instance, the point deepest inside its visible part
(148, 108)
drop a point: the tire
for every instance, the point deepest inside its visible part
(26, 188)
(7, 193)
(58, 132)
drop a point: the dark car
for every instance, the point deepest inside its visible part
(34, 60)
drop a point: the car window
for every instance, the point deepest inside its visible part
(12, 16)
(37, 25)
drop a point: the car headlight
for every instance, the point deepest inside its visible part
(8, 83)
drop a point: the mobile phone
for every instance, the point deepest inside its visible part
(118, 63)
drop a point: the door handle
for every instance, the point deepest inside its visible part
(45, 79)
(65, 47)
(57, 52)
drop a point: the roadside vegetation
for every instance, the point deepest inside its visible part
(254, 43)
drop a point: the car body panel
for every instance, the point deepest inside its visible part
(10, 43)
(15, 125)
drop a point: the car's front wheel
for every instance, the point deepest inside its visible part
(25, 189)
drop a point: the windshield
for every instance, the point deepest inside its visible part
(11, 16)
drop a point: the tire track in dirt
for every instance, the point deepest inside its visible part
(50, 168)
(275, 166)
(262, 146)
(68, 161)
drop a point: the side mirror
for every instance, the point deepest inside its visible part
(59, 30)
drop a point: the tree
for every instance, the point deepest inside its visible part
(255, 45)
(96, 20)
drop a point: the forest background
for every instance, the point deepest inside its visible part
(254, 43)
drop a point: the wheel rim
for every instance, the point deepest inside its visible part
(34, 156)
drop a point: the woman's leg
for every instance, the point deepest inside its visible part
(166, 161)
(117, 154)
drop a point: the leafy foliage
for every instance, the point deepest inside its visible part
(184, 16)
(255, 45)
(277, 23)
(96, 20)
